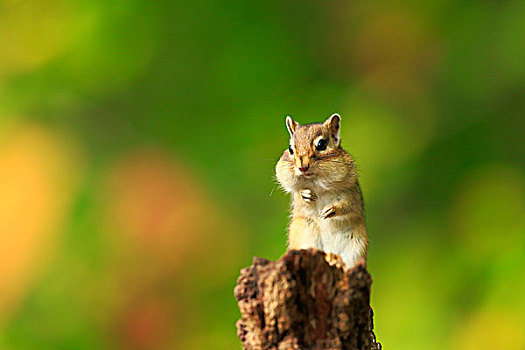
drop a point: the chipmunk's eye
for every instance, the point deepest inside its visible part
(290, 149)
(321, 144)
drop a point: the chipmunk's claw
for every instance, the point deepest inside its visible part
(308, 196)
(327, 212)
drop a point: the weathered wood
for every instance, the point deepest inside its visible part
(305, 300)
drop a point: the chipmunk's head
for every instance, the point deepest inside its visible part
(314, 154)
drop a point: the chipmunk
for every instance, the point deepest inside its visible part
(327, 203)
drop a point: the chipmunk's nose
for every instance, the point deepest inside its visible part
(303, 163)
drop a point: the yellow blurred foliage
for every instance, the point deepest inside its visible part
(490, 329)
(410, 283)
(379, 138)
(36, 178)
(488, 214)
(32, 32)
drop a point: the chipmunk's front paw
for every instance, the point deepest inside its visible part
(327, 212)
(308, 196)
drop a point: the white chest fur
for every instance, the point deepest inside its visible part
(334, 234)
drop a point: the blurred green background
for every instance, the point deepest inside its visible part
(137, 146)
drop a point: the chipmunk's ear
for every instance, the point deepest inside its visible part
(291, 125)
(334, 125)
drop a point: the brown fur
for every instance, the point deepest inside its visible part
(330, 214)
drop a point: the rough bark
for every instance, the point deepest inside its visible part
(305, 300)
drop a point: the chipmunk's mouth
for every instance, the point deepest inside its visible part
(306, 174)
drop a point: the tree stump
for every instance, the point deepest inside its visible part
(305, 300)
